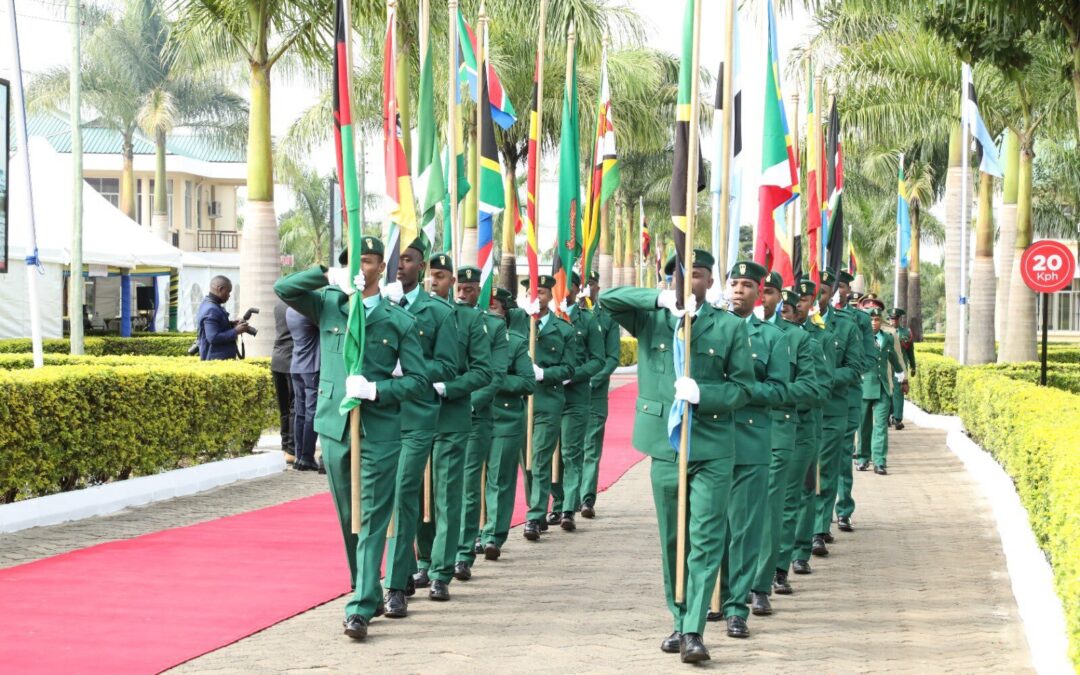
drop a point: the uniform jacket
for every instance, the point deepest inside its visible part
(806, 383)
(843, 351)
(474, 369)
(437, 331)
(587, 341)
(554, 355)
(483, 397)
(879, 378)
(772, 373)
(609, 331)
(509, 406)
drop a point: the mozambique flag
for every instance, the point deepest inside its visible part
(813, 184)
(680, 168)
(350, 195)
(779, 171)
(431, 187)
(490, 198)
(532, 179)
(502, 111)
(398, 181)
(568, 244)
(604, 178)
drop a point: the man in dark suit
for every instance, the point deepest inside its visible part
(217, 333)
(280, 360)
(305, 385)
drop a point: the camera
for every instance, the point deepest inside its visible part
(247, 317)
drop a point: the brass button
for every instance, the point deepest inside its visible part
(421, 333)
(645, 407)
(506, 405)
(384, 341)
(787, 417)
(751, 421)
(711, 350)
(715, 417)
(754, 355)
(661, 344)
(335, 329)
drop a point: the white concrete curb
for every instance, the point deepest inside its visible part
(112, 497)
(1030, 574)
(626, 370)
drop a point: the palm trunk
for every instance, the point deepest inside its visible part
(617, 262)
(901, 289)
(127, 177)
(1020, 329)
(508, 264)
(630, 260)
(1007, 235)
(914, 289)
(981, 335)
(953, 180)
(260, 254)
(159, 222)
(606, 261)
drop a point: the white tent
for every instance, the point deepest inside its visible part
(195, 276)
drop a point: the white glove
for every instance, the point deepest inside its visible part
(359, 283)
(397, 370)
(394, 291)
(440, 388)
(691, 305)
(358, 386)
(339, 276)
(532, 307)
(715, 297)
(566, 382)
(901, 376)
(669, 300)
(563, 307)
(538, 372)
(686, 389)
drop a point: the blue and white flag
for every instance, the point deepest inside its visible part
(991, 157)
(678, 408)
(734, 193)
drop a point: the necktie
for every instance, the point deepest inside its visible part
(404, 302)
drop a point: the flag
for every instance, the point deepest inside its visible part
(646, 240)
(903, 217)
(678, 407)
(779, 177)
(604, 179)
(463, 185)
(398, 181)
(502, 111)
(984, 142)
(532, 179)
(681, 167)
(813, 184)
(734, 191)
(853, 260)
(568, 245)
(834, 187)
(429, 177)
(490, 197)
(353, 352)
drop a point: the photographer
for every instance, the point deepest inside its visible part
(217, 334)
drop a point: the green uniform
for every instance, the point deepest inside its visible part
(721, 363)
(419, 420)
(877, 388)
(507, 439)
(748, 504)
(845, 503)
(437, 542)
(517, 321)
(907, 348)
(391, 336)
(557, 358)
(598, 405)
(786, 472)
(480, 438)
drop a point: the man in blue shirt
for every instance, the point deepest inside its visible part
(217, 334)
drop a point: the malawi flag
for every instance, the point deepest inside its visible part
(813, 184)
(490, 198)
(779, 171)
(398, 181)
(604, 178)
(346, 165)
(532, 179)
(568, 244)
(502, 111)
(431, 187)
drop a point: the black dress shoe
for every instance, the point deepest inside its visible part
(817, 547)
(844, 524)
(828, 537)
(780, 583)
(714, 616)
(421, 579)
(410, 587)
(322, 468)
(439, 591)
(759, 604)
(543, 524)
(801, 567)
(462, 571)
(880, 470)
(899, 426)
(670, 644)
(554, 518)
(477, 548)
(588, 510)
(737, 628)
(532, 530)
(568, 523)
(355, 626)
(692, 649)
(863, 465)
(396, 605)
(491, 551)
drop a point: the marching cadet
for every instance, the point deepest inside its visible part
(553, 366)
(437, 542)
(438, 339)
(508, 432)
(845, 503)
(722, 380)
(748, 501)
(468, 295)
(390, 339)
(806, 371)
(598, 401)
(588, 350)
(877, 392)
(907, 347)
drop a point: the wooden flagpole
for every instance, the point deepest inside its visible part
(725, 132)
(354, 414)
(451, 131)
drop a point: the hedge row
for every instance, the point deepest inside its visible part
(87, 420)
(627, 351)
(106, 345)
(1057, 352)
(1032, 432)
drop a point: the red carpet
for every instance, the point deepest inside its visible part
(149, 603)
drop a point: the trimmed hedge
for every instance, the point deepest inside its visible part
(934, 386)
(169, 345)
(87, 420)
(627, 351)
(1032, 432)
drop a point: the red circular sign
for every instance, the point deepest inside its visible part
(1047, 266)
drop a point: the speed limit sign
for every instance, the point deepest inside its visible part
(1047, 266)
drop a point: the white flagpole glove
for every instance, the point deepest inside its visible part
(397, 370)
(691, 304)
(901, 376)
(538, 372)
(686, 389)
(532, 307)
(339, 276)
(715, 297)
(669, 300)
(359, 283)
(440, 388)
(394, 291)
(358, 386)
(563, 307)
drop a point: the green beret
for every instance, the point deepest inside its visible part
(575, 279)
(875, 311)
(828, 276)
(467, 274)
(790, 296)
(875, 303)
(702, 258)
(594, 276)
(543, 281)
(367, 245)
(806, 287)
(442, 261)
(846, 277)
(747, 269)
(896, 313)
(419, 245)
(505, 297)
(775, 280)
